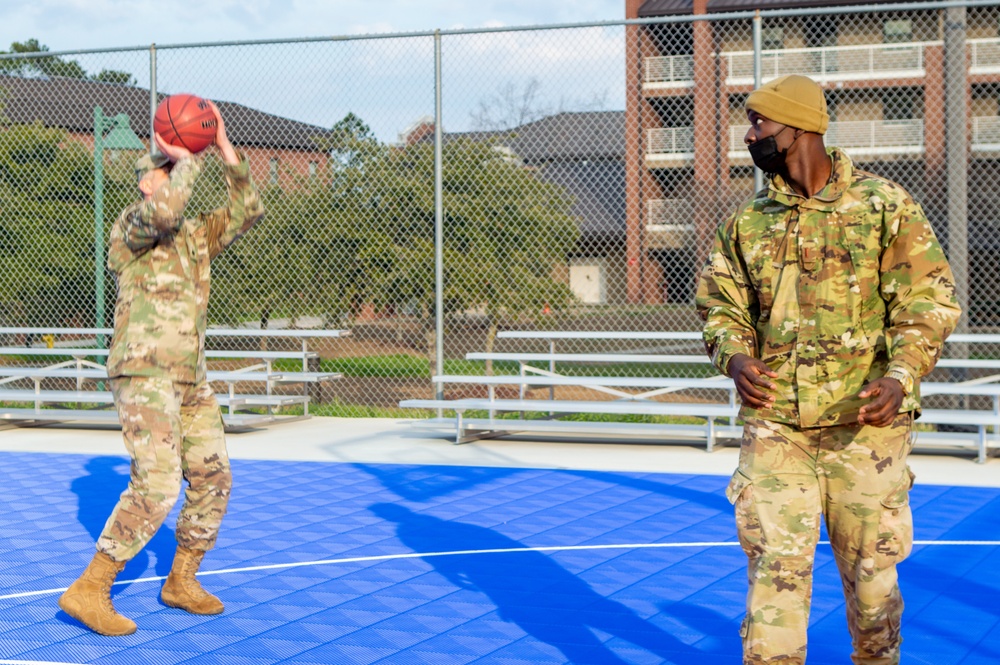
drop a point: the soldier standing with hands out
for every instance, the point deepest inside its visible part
(826, 297)
(171, 422)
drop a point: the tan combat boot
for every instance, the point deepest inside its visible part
(183, 590)
(88, 600)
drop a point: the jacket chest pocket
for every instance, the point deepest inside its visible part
(764, 256)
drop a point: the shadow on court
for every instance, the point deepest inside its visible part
(422, 483)
(97, 494)
(534, 592)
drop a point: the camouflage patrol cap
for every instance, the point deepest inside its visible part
(148, 162)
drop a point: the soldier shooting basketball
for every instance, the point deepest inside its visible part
(171, 423)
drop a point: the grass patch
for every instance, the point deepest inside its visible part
(591, 417)
(29, 359)
(337, 409)
(401, 366)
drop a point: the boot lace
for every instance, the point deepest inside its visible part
(106, 584)
(190, 582)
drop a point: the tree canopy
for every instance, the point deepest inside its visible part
(51, 65)
(362, 232)
(47, 226)
(359, 231)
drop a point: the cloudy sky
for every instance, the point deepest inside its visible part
(388, 82)
(78, 24)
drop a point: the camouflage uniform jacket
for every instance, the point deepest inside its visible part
(162, 262)
(829, 292)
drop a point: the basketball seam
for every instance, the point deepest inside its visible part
(174, 127)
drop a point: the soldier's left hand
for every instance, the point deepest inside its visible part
(887, 396)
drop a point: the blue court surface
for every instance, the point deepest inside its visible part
(330, 563)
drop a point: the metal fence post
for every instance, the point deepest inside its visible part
(438, 220)
(152, 95)
(957, 153)
(758, 45)
(99, 222)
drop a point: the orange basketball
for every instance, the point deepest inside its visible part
(187, 121)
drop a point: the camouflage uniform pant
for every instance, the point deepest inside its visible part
(857, 479)
(172, 431)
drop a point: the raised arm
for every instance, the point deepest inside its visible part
(243, 208)
(158, 216)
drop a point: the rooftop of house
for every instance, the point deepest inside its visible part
(69, 103)
(582, 152)
(564, 136)
(675, 7)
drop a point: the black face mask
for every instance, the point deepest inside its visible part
(765, 153)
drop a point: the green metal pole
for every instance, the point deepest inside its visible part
(99, 223)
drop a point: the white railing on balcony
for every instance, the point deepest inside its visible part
(669, 215)
(832, 63)
(669, 70)
(862, 137)
(676, 141)
(986, 133)
(984, 56)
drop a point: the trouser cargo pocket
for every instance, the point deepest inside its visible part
(895, 528)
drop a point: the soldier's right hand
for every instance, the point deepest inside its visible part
(751, 376)
(173, 152)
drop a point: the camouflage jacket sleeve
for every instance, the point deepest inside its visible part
(163, 214)
(243, 209)
(726, 301)
(919, 290)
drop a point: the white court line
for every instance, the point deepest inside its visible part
(422, 555)
(33, 662)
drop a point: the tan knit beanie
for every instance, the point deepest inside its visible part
(793, 100)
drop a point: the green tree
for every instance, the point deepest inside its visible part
(362, 232)
(505, 234)
(303, 258)
(46, 227)
(300, 260)
(51, 65)
(114, 76)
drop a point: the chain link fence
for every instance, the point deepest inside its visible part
(582, 173)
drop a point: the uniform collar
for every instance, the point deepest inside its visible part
(825, 199)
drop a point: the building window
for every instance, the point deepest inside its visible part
(821, 31)
(898, 105)
(312, 169)
(773, 38)
(273, 171)
(896, 31)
